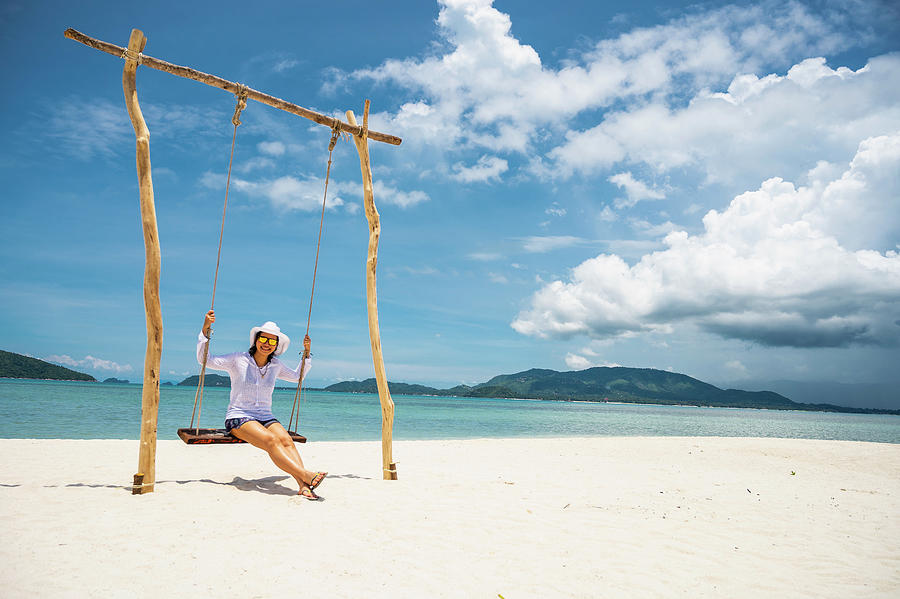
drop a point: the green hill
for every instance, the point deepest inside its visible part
(17, 366)
(639, 385)
(210, 380)
(370, 386)
(619, 384)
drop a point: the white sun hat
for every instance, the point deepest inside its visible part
(272, 329)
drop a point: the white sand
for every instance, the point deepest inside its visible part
(608, 517)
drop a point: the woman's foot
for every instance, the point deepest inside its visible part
(317, 479)
(308, 493)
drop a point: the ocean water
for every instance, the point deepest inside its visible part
(79, 410)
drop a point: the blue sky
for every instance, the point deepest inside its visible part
(710, 188)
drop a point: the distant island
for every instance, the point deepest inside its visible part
(209, 380)
(17, 366)
(116, 381)
(603, 384)
(600, 384)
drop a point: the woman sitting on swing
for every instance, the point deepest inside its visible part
(249, 417)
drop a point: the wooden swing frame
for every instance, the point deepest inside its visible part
(145, 479)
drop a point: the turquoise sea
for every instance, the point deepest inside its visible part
(78, 410)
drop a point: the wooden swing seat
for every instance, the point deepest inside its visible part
(206, 436)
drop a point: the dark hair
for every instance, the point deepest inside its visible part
(252, 350)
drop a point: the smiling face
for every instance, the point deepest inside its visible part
(266, 343)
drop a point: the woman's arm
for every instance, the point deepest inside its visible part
(305, 363)
(214, 362)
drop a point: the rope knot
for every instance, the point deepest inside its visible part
(335, 134)
(138, 57)
(241, 104)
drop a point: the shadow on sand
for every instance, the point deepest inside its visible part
(271, 485)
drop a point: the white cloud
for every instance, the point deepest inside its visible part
(388, 194)
(284, 193)
(486, 169)
(497, 278)
(487, 89)
(290, 193)
(693, 209)
(753, 129)
(271, 148)
(539, 245)
(89, 362)
(650, 230)
(88, 128)
(285, 64)
(422, 123)
(861, 207)
(252, 164)
(579, 362)
(635, 191)
(607, 215)
(555, 210)
(484, 256)
(781, 266)
(736, 369)
(385, 193)
(576, 362)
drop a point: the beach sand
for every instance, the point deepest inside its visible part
(574, 517)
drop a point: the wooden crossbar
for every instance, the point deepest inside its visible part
(235, 88)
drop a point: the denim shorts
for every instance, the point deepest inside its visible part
(233, 423)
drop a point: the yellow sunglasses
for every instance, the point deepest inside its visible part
(268, 340)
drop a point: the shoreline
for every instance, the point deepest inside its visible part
(565, 517)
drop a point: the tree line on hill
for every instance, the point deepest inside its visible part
(17, 366)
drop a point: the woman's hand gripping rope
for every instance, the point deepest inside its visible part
(208, 319)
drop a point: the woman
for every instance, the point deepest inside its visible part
(249, 417)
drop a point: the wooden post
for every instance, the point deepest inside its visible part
(389, 468)
(150, 392)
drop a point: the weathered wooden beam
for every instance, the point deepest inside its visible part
(189, 73)
(150, 390)
(389, 468)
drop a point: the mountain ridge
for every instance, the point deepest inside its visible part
(605, 384)
(599, 384)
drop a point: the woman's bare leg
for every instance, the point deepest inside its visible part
(270, 441)
(277, 429)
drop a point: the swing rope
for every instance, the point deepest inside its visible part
(236, 121)
(335, 135)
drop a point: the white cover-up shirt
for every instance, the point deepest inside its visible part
(251, 390)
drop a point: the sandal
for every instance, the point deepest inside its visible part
(308, 493)
(317, 480)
